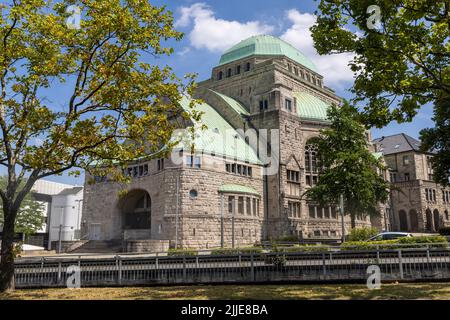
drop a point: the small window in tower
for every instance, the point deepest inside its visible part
(266, 104)
(288, 105)
(238, 70)
(247, 66)
(261, 105)
(229, 72)
(220, 75)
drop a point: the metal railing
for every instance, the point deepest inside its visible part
(245, 267)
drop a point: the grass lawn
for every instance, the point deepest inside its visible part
(343, 292)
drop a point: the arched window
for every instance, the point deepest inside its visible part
(311, 164)
(136, 207)
(229, 72)
(220, 75)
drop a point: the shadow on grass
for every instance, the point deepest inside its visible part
(249, 292)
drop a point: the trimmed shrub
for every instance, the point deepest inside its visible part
(400, 243)
(228, 251)
(182, 252)
(362, 234)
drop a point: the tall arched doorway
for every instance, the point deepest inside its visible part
(437, 220)
(403, 220)
(429, 218)
(136, 209)
(414, 221)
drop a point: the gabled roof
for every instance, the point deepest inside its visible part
(265, 45)
(397, 143)
(310, 107)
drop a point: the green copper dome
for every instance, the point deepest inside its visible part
(265, 45)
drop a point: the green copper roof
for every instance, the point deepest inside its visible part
(235, 105)
(377, 155)
(265, 45)
(220, 138)
(236, 188)
(310, 107)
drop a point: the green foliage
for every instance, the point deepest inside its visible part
(229, 251)
(302, 248)
(404, 242)
(437, 139)
(444, 231)
(361, 234)
(287, 239)
(349, 168)
(399, 67)
(30, 217)
(182, 252)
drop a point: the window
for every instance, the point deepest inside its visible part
(407, 176)
(311, 169)
(247, 66)
(446, 215)
(249, 206)
(296, 71)
(193, 162)
(238, 69)
(393, 177)
(288, 104)
(193, 194)
(229, 72)
(220, 75)
(239, 169)
(405, 160)
(241, 205)
(261, 105)
(266, 104)
(230, 204)
(135, 172)
(293, 176)
(293, 184)
(160, 164)
(312, 211)
(255, 211)
(294, 209)
(317, 233)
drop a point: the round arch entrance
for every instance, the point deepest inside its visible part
(136, 209)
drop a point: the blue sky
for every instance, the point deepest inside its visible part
(211, 27)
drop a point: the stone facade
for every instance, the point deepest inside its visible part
(418, 204)
(186, 204)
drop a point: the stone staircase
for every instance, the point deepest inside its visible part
(97, 246)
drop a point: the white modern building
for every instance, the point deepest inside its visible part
(57, 199)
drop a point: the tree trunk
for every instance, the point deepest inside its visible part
(353, 220)
(7, 251)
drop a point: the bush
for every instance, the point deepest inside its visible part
(228, 251)
(444, 231)
(301, 248)
(400, 243)
(362, 234)
(182, 252)
(287, 239)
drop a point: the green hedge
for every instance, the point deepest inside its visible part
(300, 248)
(182, 252)
(230, 251)
(405, 242)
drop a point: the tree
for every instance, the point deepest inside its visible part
(437, 139)
(349, 168)
(30, 217)
(112, 94)
(399, 66)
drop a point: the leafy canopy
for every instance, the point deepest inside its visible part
(400, 66)
(437, 139)
(112, 92)
(348, 166)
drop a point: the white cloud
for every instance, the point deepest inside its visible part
(215, 34)
(334, 67)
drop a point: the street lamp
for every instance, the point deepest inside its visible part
(341, 210)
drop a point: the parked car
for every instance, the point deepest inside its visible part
(390, 236)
